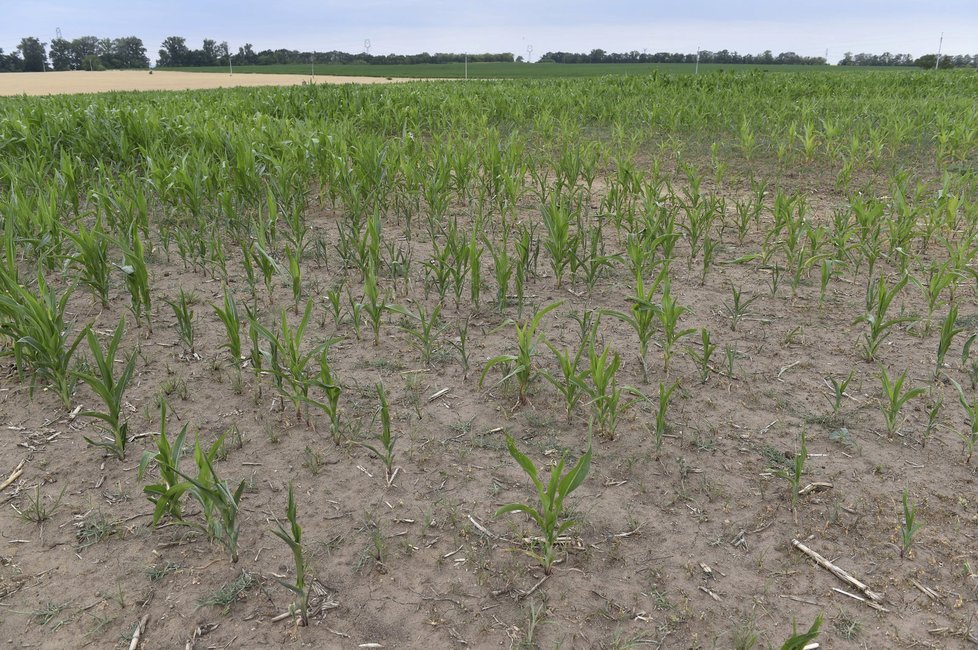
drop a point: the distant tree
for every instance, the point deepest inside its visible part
(174, 52)
(130, 53)
(10, 62)
(35, 56)
(246, 55)
(207, 54)
(927, 61)
(61, 54)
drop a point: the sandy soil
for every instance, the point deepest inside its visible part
(56, 83)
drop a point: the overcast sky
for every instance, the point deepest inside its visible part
(401, 26)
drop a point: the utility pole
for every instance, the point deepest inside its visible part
(466, 66)
(227, 50)
(697, 69)
(940, 45)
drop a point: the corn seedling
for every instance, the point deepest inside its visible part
(386, 438)
(894, 398)
(880, 326)
(422, 327)
(293, 539)
(295, 274)
(168, 493)
(801, 640)
(331, 390)
(737, 308)
(232, 325)
(668, 313)
(556, 221)
(35, 325)
(608, 400)
(797, 469)
(137, 277)
(644, 312)
(572, 381)
(661, 425)
(909, 526)
(948, 332)
(110, 388)
(839, 391)
(185, 318)
(549, 513)
(374, 303)
(702, 357)
(91, 259)
(460, 345)
(523, 369)
(970, 437)
(218, 503)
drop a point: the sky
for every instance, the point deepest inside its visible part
(523, 27)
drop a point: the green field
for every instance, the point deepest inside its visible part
(509, 70)
(316, 365)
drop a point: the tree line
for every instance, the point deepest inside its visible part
(84, 53)
(765, 58)
(174, 53)
(94, 53)
(704, 56)
(906, 60)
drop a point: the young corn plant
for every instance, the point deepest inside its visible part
(798, 468)
(643, 315)
(556, 220)
(385, 451)
(802, 640)
(669, 313)
(111, 389)
(232, 325)
(738, 307)
(878, 301)
(948, 331)
(290, 363)
(894, 398)
(295, 274)
(909, 526)
(137, 277)
(970, 437)
(661, 424)
(35, 326)
(330, 405)
(572, 379)
(185, 318)
(839, 391)
(548, 514)
(608, 399)
(374, 303)
(502, 269)
(292, 537)
(219, 505)
(422, 327)
(91, 260)
(522, 367)
(167, 494)
(702, 357)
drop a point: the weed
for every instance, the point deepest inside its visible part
(40, 508)
(230, 593)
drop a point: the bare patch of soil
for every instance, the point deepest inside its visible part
(80, 81)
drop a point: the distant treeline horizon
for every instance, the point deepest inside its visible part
(94, 53)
